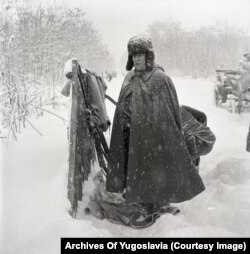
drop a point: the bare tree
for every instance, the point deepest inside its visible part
(35, 43)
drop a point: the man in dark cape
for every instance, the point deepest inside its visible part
(149, 159)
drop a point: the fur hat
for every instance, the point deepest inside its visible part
(140, 44)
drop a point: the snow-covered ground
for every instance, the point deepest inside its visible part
(33, 203)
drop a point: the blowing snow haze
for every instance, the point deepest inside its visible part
(117, 21)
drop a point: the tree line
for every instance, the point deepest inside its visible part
(200, 52)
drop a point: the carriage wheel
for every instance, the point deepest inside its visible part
(240, 103)
(216, 97)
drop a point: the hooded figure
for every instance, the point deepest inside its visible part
(149, 160)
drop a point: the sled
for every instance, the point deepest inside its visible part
(86, 91)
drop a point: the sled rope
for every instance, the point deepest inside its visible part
(117, 105)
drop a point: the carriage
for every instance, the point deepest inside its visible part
(232, 88)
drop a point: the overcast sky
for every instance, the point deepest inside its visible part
(118, 20)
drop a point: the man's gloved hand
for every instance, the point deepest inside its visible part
(91, 116)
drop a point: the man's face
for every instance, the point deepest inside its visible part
(139, 61)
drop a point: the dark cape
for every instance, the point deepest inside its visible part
(148, 155)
